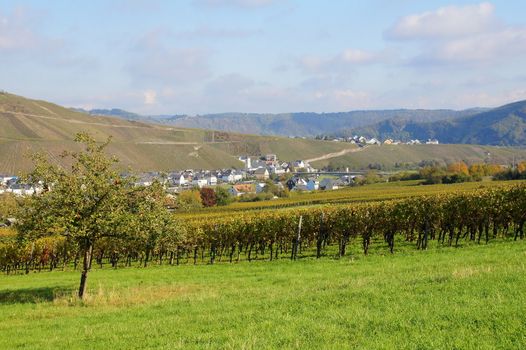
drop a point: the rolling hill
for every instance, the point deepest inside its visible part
(30, 125)
(27, 126)
(504, 126)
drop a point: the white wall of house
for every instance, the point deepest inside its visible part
(200, 183)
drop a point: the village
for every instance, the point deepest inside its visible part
(362, 140)
(253, 175)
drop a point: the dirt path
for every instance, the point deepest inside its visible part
(336, 154)
(166, 143)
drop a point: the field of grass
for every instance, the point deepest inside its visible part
(473, 297)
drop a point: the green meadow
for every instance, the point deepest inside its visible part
(470, 297)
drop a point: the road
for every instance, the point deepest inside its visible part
(336, 154)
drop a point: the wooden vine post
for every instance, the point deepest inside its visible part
(296, 241)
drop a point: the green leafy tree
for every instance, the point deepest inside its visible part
(147, 219)
(189, 200)
(223, 197)
(8, 206)
(270, 187)
(86, 203)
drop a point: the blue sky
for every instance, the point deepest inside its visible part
(210, 56)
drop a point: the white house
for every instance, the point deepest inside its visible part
(299, 164)
(271, 158)
(261, 174)
(212, 180)
(432, 142)
(200, 182)
(241, 189)
(328, 184)
(260, 187)
(21, 190)
(228, 177)
(5, 179)
(313, 185)
(180, 180)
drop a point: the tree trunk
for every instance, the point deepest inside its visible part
(86, 265)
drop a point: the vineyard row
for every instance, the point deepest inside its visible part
(448, 219)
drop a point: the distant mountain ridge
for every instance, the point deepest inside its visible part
(292, 124)
(501, 126)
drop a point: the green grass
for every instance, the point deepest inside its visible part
(472, 297)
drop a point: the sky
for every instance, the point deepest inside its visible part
(264, 56)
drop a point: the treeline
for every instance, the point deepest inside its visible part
(447, 219)
(517, 172)
(457, 172)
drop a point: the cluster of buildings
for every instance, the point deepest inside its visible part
(314, 183)
(11, 184)
(250, 179)
(362, 140)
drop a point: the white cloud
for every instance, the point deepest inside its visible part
(445, 22)
(346, 59)
(490, 46)
(460, 34)
(150, 97)
(358, 56)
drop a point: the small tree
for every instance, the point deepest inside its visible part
(189, 200)
(208, 197)
(458, 168)
(223, 197)
(86, 203)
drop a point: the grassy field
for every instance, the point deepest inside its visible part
(472, 297)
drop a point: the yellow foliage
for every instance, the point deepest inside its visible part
(458, 168)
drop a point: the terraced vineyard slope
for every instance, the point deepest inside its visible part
(30, 125)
